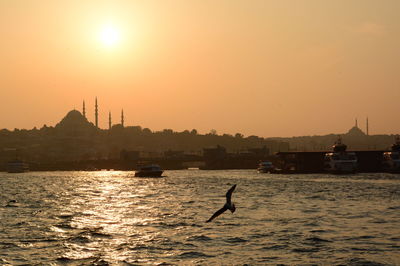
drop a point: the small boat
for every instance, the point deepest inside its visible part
(265, 167)
(391, 159)
(152, 170)
(17, 166)
(340, 161)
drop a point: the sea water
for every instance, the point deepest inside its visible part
(114, 218)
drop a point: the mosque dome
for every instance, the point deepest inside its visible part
(74, 119)
(355, 131)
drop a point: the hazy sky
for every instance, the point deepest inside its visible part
(267, 68)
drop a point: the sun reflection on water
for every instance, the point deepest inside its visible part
(109, 215)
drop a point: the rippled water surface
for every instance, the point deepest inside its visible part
(78, 218)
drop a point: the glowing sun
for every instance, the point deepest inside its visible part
(110, 35)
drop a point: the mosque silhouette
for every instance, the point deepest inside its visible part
(76, 119)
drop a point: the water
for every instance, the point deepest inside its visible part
(113, 218)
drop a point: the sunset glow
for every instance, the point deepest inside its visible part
(204, 65)
(110, 35)
(208, 132)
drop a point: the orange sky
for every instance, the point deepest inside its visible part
(267, 68)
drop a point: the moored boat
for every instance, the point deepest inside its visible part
(340, 161)
(152, 170)
(265, 167)
(17, 166)
(391, 159)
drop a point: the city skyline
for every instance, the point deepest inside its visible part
(265, 68)
(94, 118)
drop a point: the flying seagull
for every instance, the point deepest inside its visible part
(228, 205)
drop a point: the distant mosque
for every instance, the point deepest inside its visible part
(75, 119)
(357, 132)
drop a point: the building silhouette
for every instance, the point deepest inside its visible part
(75, 138)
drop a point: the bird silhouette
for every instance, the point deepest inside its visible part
(227, 206)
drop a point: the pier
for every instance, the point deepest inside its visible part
(313, 161)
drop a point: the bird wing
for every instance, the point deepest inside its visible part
(229, 194)
(217, 213)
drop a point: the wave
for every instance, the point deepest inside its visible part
(64, 225)
(193, 254)
(275, 247)
(82, 261)
(317, 239)
(362, 262)
(305, 250)
(100, 235)
(171, 225)
(199, 238)
(79, 239)
(236, 240)
(65, 216)
(7, 245)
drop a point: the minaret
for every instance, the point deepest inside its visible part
(96, 114)
(122, 117)
(109, 120)
(367, 127)
(84, 109)
(356, 123)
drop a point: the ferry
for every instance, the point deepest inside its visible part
(340, 161)
(391, 159)
(17, 166)
(152, 170)
(265, 167)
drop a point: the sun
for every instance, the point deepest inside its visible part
(110, 35)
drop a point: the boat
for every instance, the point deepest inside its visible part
(391, 159)
(265, 167)
(152, 170)
(340, 161)
(17, 166)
